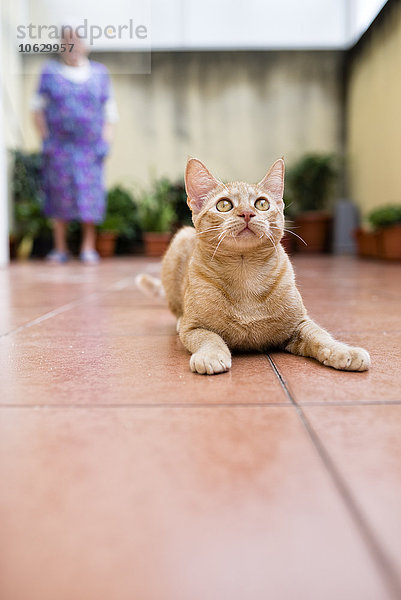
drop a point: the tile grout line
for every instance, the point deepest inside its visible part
(379, 555)
(355, 403)
(154, 405)
(287, 404)
(62, 309)
(50, 314)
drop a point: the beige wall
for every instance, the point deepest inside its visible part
(11, 69)
(373, 114)
(12, 134)
(236, 111)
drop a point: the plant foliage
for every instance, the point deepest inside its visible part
(27, 194)
(155, 208)
(121, 213)
(385, 216)
(309, 183)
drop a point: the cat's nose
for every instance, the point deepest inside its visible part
(247, 214)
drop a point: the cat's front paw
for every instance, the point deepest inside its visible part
(345, 358)
(209, 362)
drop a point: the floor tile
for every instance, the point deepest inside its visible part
(91, 369)
(343, 294)
(172, 504)
(380, 315)
(15, 317)
(35, 283)
(129, 295)
(343, 274)
(365, 444)
(126, 476)
(98, 318)
(311, 382)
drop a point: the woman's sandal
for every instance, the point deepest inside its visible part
(55, 256)
(89, 257)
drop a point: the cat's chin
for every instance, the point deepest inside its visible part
(246, 232)
(247, 239)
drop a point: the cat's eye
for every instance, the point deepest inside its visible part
(224, 205)
(262, 204)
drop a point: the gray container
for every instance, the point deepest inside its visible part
(346, 220)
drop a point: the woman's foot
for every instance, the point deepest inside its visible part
(89, 257)
(57, 257)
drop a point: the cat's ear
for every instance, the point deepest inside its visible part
(198, 183)
(273, 181)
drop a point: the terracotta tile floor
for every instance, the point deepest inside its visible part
(125, 477)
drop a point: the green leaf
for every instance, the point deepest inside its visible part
(385, 216)
(309, 183)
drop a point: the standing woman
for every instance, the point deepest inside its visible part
(74, 112)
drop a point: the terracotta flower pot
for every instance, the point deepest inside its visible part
(367, 243)
(106, 243)
(389, 242)
(13, 246)
(156, 244)
(314, 228)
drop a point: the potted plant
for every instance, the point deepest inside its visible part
(30, 224)
(107, 234)
(386, 221)
(156, 217)
(120, 221)
(178, 199)
(367, 243)
(309, 186)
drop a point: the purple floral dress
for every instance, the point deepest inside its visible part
(74, 151)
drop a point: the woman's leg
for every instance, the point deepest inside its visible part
(59, 236)
(88, 237)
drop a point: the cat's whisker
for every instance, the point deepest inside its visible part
(218, 227)
(272, 242)
(215, 237)
(296, 235)
(289, 231)
(233, 235)
(217, 247)
(220, 235)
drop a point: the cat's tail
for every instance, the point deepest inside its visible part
(150, 285)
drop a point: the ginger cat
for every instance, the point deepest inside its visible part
(230, 283)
